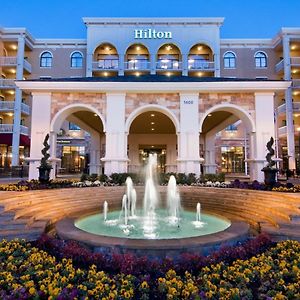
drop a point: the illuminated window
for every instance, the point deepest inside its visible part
(73, 126)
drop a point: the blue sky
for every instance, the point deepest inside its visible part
(62, 18)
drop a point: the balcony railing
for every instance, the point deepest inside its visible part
(7, 83)
(200, 64)
(279, 66)
(8, 61)
(282, 130)
(106, 64)
(10, 105)
(27, 66)
(9, 128)
(296, 83)
(168, 64)
(295, 61)
(137, 64)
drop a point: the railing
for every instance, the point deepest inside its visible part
(8, 60)
(24, 130)
(27, 65)
(200, 64)
(296, 83)
(10, 105)
(106, 64)
(137, 64)
(25, 108)
(9, 128)
(168, 64)
(16, 171)
(295, 61)
(6, 128)
(296, 106)
(279, 66)
(282, 130)
(281, 108)
(7, 83)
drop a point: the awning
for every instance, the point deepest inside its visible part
(6, 139)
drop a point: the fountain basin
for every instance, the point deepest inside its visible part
(236, 232)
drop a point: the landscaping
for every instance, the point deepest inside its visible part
(54, 269)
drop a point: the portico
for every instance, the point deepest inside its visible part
(186, 114)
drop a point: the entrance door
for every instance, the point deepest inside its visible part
(233, 160)
(160, 150)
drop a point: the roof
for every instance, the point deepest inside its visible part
(149, 78)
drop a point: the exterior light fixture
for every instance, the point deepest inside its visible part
(169, 74)
(209, 115)
(199, 74)
(152, 129)
(95, 115)
(105, 74)
(152, 115)
(199, 48)
(138, 48)
(14, 47)
(152, 123)
(137, 74)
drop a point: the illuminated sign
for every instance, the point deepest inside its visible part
(152, 34)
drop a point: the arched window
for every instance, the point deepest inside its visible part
(260, 60)
(76, 60)
(46, 60)
(229, 60)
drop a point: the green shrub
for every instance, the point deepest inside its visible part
(84, 177)
(213, 177)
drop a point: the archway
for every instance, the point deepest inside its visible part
(77, 139)
(168, 59)
(137, 59)
(105, 60)
(152, 131)
(226, 141)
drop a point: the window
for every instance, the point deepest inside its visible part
(22, 122)
(76, 60)
(231, 127)
(1, 120)
(229, 60)
(46, 60)
(73, 126)
(260, 60)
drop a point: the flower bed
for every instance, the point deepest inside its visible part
(28, 272)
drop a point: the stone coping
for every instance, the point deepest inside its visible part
(66, 229)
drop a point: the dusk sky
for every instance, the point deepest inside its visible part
(63, 18)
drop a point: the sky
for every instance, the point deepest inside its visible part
(63, 18)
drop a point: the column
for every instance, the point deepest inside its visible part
(40, 126)
(121, 64)
(18, 102)
(210, 165)
(289, 105)
(188, 138)
(89, 65)
(115, 159)
(95, 164)
(217, 63)
(185, 65)
(265, 129)
(153, 63)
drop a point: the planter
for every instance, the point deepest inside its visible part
(44, 174)
(270, 176)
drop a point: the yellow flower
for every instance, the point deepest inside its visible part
(32, 291)
(144, 285)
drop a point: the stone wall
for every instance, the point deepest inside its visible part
(61, 100)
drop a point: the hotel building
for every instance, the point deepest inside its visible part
(134, 86)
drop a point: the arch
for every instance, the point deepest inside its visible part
(46, 59)
(234, 109)
(76, 51)
(229, 52)
(170, 43)
(46, 51)
(76, 59)
(137, 43)
(202, 43)
(103, 43)
(61, 115)
(260, 51)
(151, 107)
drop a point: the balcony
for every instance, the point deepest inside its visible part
(137, 64)
(10, 105)
(295, 61)
(281, 109)
(9, 128)
(7, 83)
(106, 65)
(279, 66)
(168, 64)
(296, 83)
(11, 61)
(8, 61)
(282, 131)
(200, 64)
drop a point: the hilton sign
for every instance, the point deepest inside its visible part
(151, 34)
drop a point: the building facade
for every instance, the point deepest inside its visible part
(211, 123)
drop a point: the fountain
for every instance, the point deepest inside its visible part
(159, 216)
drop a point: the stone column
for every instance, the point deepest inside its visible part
(115, 159)
(95, 164)
(40, 126)
(217, 63)
(265, 129)
(89, 65)
(18, 103)
(289, 105)
(188, 137)
(210, 165)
